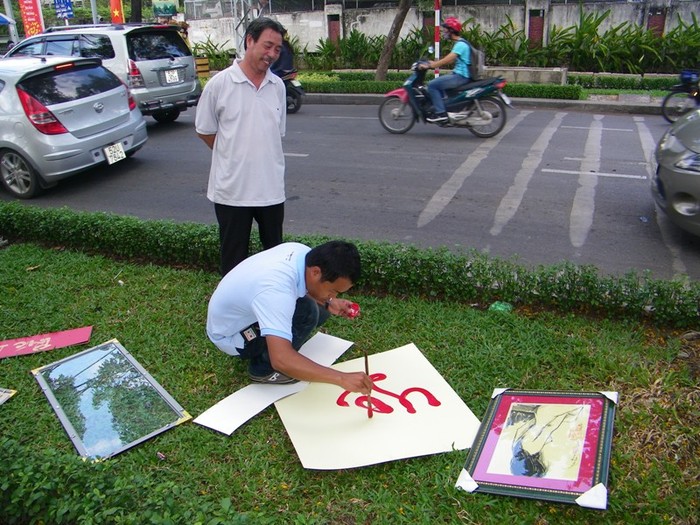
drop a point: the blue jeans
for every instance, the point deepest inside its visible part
(308, 316)
(438, 86)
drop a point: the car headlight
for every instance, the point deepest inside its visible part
(690, 162)
(669, 142)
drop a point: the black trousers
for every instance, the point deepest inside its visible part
(235, 223)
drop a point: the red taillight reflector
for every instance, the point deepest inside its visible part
(39, 115)
(501, 84)
(134, 75)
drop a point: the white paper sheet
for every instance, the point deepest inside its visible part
(421, 414)
(230, 413)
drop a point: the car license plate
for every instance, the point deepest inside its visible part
(171, 76)
(114, 153)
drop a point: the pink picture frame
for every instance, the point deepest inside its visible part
(549, 445)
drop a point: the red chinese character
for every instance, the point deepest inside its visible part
(380, 406)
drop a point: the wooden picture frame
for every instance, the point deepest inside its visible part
(549, 445)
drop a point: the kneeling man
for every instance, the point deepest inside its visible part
(267, 307)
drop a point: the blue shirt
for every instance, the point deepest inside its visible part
(463, 52)
(262, 289)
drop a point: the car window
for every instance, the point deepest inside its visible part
(29, 48)
(64, 85)
(62, 47)
(98, 46)
(154, 45)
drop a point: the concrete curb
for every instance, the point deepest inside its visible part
(649, 107)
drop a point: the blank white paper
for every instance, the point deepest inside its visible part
(230, 413)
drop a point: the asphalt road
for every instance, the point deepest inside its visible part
(555, 185)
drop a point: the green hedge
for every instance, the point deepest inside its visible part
(397, 269)
(549, 91)
(620, 82)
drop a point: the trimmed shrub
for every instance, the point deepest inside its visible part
(397, 269)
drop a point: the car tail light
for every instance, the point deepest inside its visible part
(39, 115)
(135, 76)
(132, 103)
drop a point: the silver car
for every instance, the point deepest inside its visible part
(154, 61)
(676, 183)
(60, 116)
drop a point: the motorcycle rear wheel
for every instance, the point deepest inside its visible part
(395, 116)
(293, 100)
(497, 109)
(677, 104)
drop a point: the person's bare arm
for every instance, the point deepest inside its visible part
(450, 58)
(208, 139)
(285, 359)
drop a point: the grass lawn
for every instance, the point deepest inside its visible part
(158, 314)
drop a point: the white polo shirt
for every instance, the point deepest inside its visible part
(247, 163)
(264, 288)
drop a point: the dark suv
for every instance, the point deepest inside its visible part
(154, 61)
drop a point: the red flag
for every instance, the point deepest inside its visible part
(116, 11)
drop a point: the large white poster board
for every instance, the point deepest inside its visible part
(415, 412)
(230, 413)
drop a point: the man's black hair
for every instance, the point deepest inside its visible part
(336, 259)
(257, 26)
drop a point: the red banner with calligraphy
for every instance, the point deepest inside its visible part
(117, 11)
(32, 18)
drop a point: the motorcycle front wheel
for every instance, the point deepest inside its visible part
(293, 100)
(497, 109)
(677, 104)
(395, 116)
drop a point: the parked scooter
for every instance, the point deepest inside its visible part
(295, 90)
(684, 97)
(479, 106)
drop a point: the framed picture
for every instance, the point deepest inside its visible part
(106, 401)
(5, 394)
(549, 445)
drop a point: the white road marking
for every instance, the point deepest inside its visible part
(597, 174)
(512, 199)
(449, 189)
(583, 207)
(603, 129)
(296, 154)
(649, 146)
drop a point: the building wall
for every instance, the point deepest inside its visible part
(311, 26)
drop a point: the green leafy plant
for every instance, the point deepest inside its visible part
(219, 55)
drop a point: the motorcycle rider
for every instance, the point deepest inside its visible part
(460, 55)
(285, 63)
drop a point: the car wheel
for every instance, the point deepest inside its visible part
(166, 116)
(17, 175)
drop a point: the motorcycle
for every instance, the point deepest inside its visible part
(479, 106)
(295, 90)
(684, 97)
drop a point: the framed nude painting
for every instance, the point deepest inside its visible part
(549, 445)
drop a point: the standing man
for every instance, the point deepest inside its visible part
(242, 117)
(460, 56)
(266, 308)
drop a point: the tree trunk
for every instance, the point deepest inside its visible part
(136, 15)
(391, 39)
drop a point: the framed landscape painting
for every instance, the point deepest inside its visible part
(548, 445)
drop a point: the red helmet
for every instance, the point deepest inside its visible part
(452, 24)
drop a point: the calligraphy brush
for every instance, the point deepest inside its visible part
(369, 397)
